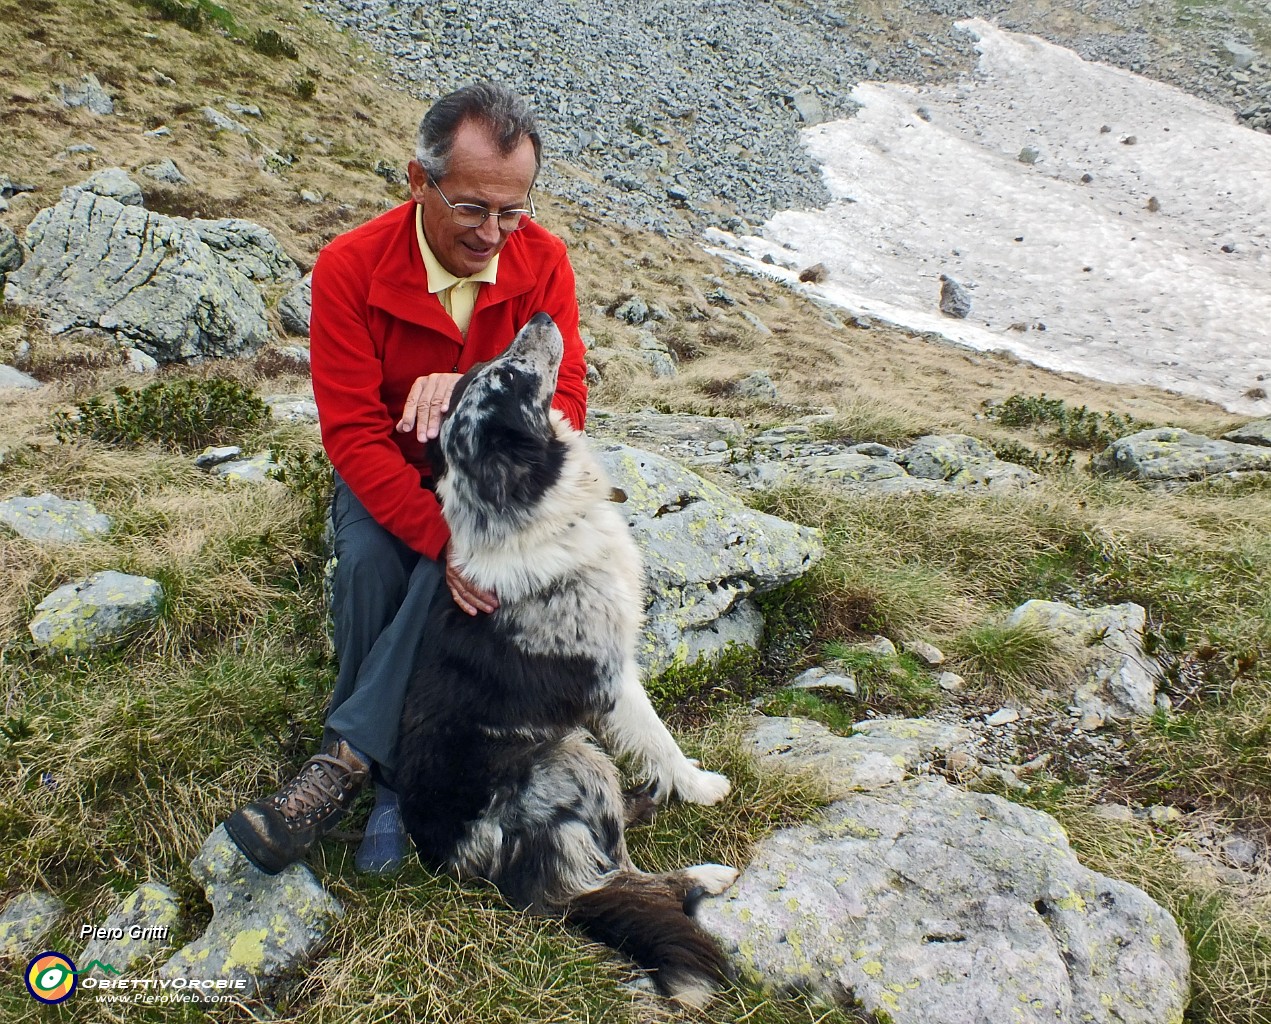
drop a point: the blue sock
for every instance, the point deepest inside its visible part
(383, 847)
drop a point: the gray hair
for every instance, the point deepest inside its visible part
(507, 116)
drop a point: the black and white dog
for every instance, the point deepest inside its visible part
(499, 770)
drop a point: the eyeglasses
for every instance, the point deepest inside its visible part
(470, 215)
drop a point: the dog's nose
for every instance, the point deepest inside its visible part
(540, 320)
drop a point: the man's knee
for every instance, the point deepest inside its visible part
(371, 564)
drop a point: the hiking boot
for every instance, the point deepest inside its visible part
(280, 829)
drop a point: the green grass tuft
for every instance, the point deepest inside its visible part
(1018, 659)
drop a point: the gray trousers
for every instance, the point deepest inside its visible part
(381, 595)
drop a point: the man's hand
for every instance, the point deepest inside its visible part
(468, 596)
(428, 400)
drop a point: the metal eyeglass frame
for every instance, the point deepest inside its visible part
(479, 214)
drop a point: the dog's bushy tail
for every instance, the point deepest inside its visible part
(644, 916)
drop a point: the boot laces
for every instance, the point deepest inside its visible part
(324, 781)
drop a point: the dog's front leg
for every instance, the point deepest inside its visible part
(634, 728)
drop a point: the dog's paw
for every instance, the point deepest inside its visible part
(712, 878)
(702, 787)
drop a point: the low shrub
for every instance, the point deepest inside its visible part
(273, 44)
(187, 414)
(1078, 428)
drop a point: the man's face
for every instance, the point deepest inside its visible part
(478, 173)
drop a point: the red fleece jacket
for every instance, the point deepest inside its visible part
(375, 328)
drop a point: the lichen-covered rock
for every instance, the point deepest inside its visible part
(878, 753)
(704, 552)
(114, 183)
(97, 263)
(1119, 678)
(852, 472)
(50, 518)
(930, 904)
(247, 247)
(1167, 454)
(264, 927)
(25, 920)
(256, 469)
(954, 463)
(294, 308)
(141, 925)
(1253, 432)
(650, 427)
(214, 455)
(100, 610)
(965, 463)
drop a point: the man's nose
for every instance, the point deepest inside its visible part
(488, 231)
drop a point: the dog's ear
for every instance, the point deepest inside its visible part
(518, 469)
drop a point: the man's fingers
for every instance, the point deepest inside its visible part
(471, 598)
(463, 605)
(442, 386)
(430, 426)
(407, 422)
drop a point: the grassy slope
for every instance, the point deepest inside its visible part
(151, 746)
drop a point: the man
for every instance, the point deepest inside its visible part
(402, 306)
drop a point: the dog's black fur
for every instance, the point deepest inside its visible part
(499, 771)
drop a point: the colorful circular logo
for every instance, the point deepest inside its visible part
(50, 977)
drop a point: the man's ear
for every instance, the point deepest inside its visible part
(418, 179)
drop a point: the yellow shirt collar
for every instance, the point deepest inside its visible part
(439, 278)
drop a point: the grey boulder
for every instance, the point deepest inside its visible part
(247, 247)
(140, 926)
(965, 463)
(101, 609)
(114, 183)
(294, 307)
(87, 93)
(1118, 678)
(1171, 454)
(12, 377)
(292, 408)
(24, 922)
(705, 554)
(11, 254)
(165, 171)
(264, 927)
(880, 752)
(954, 300)
(255, 469)
(50, 518)
(150, 279)
(930, 904)
(1253, 432)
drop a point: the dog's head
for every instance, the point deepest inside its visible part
(497, 453)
